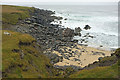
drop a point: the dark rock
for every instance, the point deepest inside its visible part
(65, 19)
(75, 41)
(87, 27)
(15, 50)
(91, 36)
(77, 31)
(48, 66)
(60, 22)
(66, 57)
(72, 51)
(24, 43)
(98, 53)
(76, 59)
(76, 52)
(20, 65)
(60, 59)
(69, 50)
(99, 58)
(86, 41)
(101, 46)
(68, 32)
(112, 54)
(25, 69)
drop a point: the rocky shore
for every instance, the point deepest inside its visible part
(57, 42)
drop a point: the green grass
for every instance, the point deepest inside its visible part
(112, 58)
(12, 14)
(99, 72)
(11, 60)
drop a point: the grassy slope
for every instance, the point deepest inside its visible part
(11, 14)
(99, 72)
(14, 66)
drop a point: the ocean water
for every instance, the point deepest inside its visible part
(103, 20)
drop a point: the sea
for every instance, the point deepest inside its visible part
(103, 20)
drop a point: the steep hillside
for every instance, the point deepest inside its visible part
(22, 57)
(99, 72)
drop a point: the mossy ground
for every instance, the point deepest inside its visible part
(33, 65)
(99, 72)
(12, 14)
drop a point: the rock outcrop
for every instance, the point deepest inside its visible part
(77, 31)
(68, 32)
(87, 27)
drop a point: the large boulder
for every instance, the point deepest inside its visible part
(68, 32)
(87, 27)
(75, 41)
(77, 31)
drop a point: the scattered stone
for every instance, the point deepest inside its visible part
(87, 27)
(76, 59)
(69, 50)
(15, 50)
(66, 57)
(98, 53)
(77, 31)
(60, 22)
(101, 45)
(91, 36)
(99, 58)
(68, 32)
(65, 19)
(75, 41)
